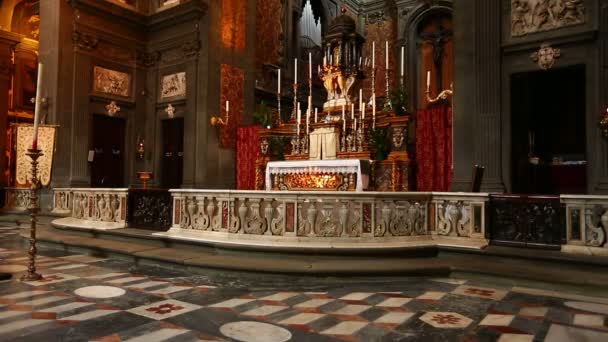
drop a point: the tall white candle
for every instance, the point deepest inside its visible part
(363, 113)
(428, 80)
(343, 117)
(308, 120)
(279, 83)
(227, 107)
(373, 55)
(352, 113)
(37, 107)
(360, 61)
(298, 119)
(355, 125)
(402, 58)
(324, 61)
(360, 99)
(374, 110)
(295, 71)
(310, 65)
(386, 54)
(316, 114)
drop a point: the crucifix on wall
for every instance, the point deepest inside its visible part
(438, 39)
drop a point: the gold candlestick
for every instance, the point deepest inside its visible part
(31, 274)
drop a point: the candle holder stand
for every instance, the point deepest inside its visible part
(294, 112)
(387, 104)
(31, 275)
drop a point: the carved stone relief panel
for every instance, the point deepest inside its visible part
(173, 85)
(454, 219)
(111, 82)
(596, 223)
(531, 16)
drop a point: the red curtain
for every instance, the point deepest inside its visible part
(247, 151)
(434, 148)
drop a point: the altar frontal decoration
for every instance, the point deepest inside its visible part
(334, 175)
(46, 143)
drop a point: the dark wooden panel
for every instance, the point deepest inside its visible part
(149, 209)
(107, 168)
(173, 153)
(527, 221)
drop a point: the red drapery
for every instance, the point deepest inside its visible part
(247, 151)
(434, 148)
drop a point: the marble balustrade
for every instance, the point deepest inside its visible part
(459, 215)
(99, 205)
(62, 201)
(16, 199)
(374, 216)
(586, 223)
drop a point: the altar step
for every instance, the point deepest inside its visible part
(142, 247)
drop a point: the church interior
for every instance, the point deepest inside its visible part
(304, 170)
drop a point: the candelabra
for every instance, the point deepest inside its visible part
(350, 145)
(295, 145)
(31, 275)
(387, 104)
(304, 144)
(343, 142)
(294, 112)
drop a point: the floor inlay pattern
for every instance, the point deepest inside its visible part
(89, 298)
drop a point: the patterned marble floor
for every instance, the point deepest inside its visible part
(85, 298)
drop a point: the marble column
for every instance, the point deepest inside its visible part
(477, 93)
(8, 41)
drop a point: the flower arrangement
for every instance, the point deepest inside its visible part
(380, 143)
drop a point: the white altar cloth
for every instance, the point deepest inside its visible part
(360, 167)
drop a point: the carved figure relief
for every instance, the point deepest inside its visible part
(111, 82)
(398, 137)
(531, 16)
(173, 85)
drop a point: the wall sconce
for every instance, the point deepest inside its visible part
(219, 121)
(140, 148)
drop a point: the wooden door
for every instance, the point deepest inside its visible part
(107, 168)
(173, 152)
